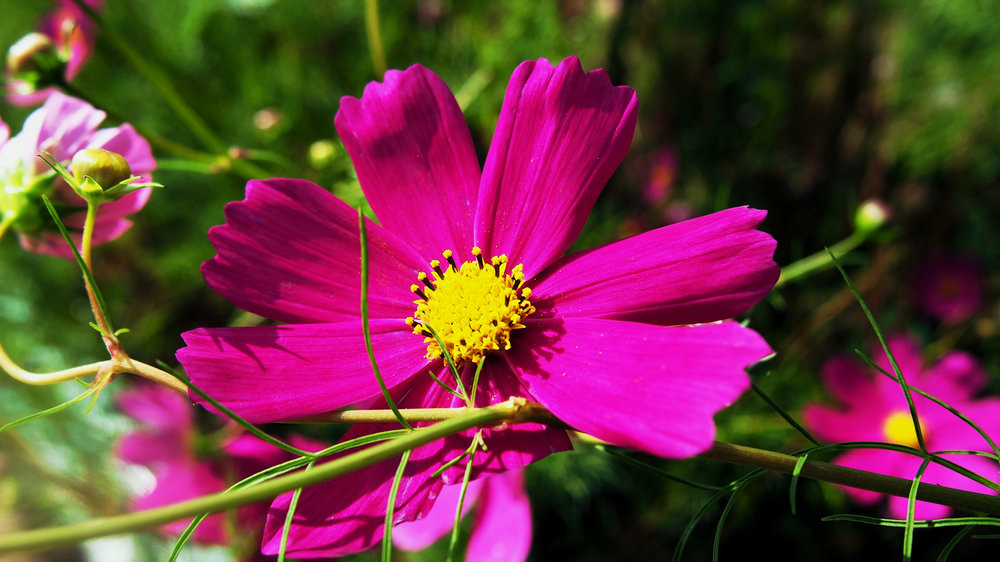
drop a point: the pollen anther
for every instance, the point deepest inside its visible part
(472, 308)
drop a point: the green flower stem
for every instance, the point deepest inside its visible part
(533, 412)
(820, 260)
(826, 472)
(107, 333)
(53, 537)
(375, 38)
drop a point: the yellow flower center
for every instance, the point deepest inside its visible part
(898, 428)
(472, 308)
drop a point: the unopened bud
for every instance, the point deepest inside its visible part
(871, 216)
(103, 166)
(32, 53)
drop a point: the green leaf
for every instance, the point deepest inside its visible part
(48, 412)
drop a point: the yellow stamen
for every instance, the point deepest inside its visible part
(898, 428)
(473, 308)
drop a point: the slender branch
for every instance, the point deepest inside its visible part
(820, 260)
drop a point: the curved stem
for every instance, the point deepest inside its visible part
(39, 379)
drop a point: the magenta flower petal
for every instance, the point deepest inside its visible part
(956, 377)
(592, 374)
(150, 448)
(346, 515)
(419, 534)
(152, 406)
(507, 447)
(561, 134)
(848, 381)
(290, 251)
(502, 529)
(272, 373)
(182, 480)
(414, 158)
(834, 426)
(700, 270)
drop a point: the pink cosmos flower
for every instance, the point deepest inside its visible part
(63, 126)
(874, 409)
(949, 288)
(626, 342)
(502, 528)
(166, 445)
(73, 35)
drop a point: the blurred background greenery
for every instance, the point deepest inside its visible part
(805, 109)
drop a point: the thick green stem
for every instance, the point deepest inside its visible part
(70, 534)
(779, 462)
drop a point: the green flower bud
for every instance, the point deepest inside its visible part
(104, 167)
(34, 52)
(871, 215)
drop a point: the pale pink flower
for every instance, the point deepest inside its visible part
(501, 530)
(63, 126)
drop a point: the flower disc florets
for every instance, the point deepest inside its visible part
(898, 428)
(472, 308)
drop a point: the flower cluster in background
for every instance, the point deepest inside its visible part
(68, 34)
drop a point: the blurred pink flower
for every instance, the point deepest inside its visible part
(63, 126)
(950, 288)
(73, 35)
(661, 175)
(874, 409)
(501, 531)
(655, 303)
(165, 443)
